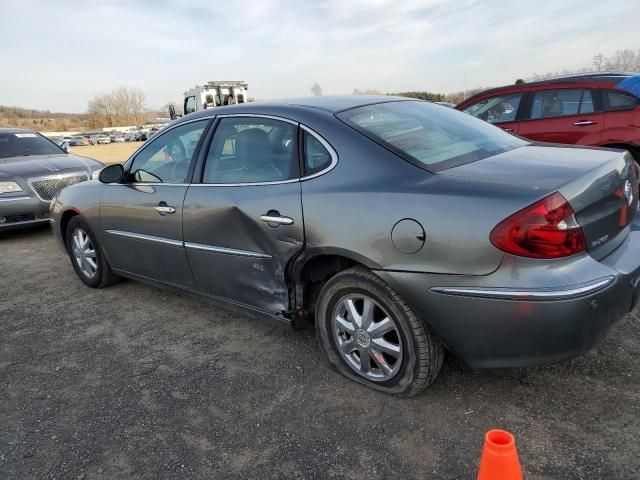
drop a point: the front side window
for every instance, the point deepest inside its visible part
(428, 135)
(167, 158)
(252, 150)
(26, 144)
(189, 105)
(616, 100)
(316, 156)
(501, 108)
(561, 103)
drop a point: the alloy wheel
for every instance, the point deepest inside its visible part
(367, 337)
(84, 253)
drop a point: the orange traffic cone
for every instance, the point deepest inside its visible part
(499, 457)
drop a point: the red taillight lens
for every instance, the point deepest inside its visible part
(546, 229)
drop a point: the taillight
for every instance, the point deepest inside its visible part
(546, 229)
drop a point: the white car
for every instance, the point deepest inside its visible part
(103, 139)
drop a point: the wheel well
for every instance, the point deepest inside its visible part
(64, 221)
(315, 273)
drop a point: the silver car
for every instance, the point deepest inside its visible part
(33, 169)
(400, 228)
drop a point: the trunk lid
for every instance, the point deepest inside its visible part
(600, 185)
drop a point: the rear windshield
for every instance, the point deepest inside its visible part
(430, 136)
(24, 144)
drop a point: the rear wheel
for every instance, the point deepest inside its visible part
(370, 335)
(86, 255)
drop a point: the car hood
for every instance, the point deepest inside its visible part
(45, 164)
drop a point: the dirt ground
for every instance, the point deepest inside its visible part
(109, 153)
(136, 382)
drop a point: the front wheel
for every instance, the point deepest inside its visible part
(86, 255)
(370, 335)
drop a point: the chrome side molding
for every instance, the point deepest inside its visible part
(527, 294)
(148, 238)
(225, 250)
(188, 245)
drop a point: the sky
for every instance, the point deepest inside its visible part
(57, 55)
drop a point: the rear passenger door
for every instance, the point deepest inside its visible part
(563, 115)
(500, 110)
(242, 218)
(621, 121)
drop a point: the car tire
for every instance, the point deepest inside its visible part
(87, 256)
(413, 356)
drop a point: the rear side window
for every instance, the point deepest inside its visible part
(428, 135)
(316, 156)
(560, 103)
(501, 108)
(616, 100)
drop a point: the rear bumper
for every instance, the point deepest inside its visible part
(20, 211)
(522, 324)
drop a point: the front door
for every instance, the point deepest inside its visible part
(142, 217)
(500, 110)
(243, 223)
(563, 116)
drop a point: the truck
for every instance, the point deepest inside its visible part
(212, 94)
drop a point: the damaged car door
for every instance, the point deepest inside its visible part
(243, 220)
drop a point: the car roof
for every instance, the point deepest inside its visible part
(591, 79)
(331, 104)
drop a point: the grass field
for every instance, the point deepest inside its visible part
(110, 153)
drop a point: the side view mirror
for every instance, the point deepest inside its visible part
(112, 174)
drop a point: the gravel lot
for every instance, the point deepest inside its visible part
(135, 382)
(108, 153)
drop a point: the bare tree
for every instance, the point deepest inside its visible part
(121, 106)
(599, 62)
(624, 60)
(316, 90)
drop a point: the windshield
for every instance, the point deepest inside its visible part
(430, 136)
(24, 144)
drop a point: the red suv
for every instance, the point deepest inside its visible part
(601, 109)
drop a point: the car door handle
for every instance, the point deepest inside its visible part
(277, 219)
(583, 123)
(507, 129)
(164, 209)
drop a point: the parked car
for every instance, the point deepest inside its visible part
(78, 141)
(399, 226)
(103, 139)
(119, 139)
(33, 169)
(601, 109)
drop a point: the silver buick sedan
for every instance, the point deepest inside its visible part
(400, 228)
(33, 169)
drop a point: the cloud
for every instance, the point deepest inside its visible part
(57, 55)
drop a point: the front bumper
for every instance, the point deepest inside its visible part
(506, 319)
(24, 210)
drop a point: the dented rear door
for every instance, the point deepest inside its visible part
(233, 253)
(242, 219)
